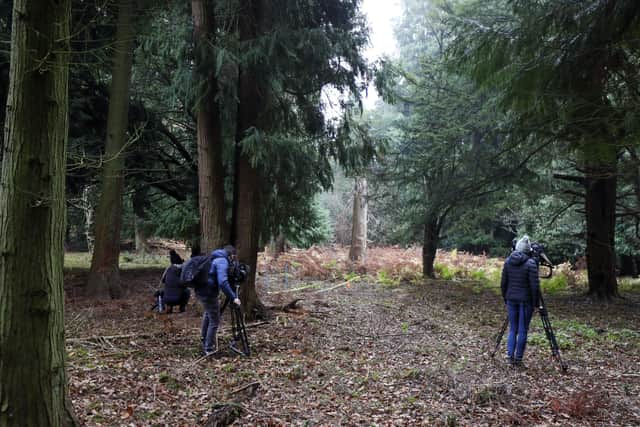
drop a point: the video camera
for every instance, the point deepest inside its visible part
(238, 273)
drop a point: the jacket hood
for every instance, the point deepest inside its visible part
(517, 258)
(219, 253)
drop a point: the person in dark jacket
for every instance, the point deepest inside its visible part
(218, 278)
(174, 292)
(520, 286)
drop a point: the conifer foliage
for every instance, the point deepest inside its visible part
(567, 71)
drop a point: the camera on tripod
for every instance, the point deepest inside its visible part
(238, 273)
(538, 254)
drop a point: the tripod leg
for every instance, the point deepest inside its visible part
(500, 335)
(239, 333)
(553, 343)
(243, 334)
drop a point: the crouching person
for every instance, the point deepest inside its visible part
(217, 279)
(175, 293)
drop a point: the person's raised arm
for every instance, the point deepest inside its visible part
(222, 268)
(534, 282)
(504, 282)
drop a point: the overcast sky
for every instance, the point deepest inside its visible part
(381, 15)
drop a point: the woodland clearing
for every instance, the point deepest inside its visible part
(361, 348)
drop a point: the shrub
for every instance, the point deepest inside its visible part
(384, 278)
(444, 272)
(555, 284)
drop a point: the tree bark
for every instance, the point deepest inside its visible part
(87, 209)
(431, 238)
(214, 230)
(141, 238)
(104, 276)
(279, 245)
(33, 382)
(247, 227)
(358, 250)
(600, 207)
(246, 209)
(628, 266)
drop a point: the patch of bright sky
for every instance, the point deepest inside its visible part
(382, 16)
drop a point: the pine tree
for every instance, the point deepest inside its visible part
(565, 74)
(104, 276)
(33, 383)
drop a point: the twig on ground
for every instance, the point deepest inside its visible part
(244, 387)
(301, 288)
(105, 338)
(346, 282)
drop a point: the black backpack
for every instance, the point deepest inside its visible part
(194, 271)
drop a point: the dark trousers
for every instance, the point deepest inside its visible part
(210, 321)
(182, 301)
(519, 318)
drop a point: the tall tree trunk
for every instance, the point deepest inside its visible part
(104, 276)
(600, 209)
(139, 214)
(33, 382)
(358, 250)
(87, 209)
(628, 266)
(431, 238)
(214, 230)
(279, 245)
(246, 209)
(247, 226)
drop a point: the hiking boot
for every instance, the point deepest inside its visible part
(519, 365)
(182, 309)
(509, 360)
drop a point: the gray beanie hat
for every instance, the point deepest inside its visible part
(523, 245)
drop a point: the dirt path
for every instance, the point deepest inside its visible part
(359, 355)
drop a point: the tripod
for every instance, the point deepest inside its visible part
(240, 341)
(548, 331)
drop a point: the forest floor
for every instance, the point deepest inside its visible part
(357, 352)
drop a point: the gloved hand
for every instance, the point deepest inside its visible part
(236, 301)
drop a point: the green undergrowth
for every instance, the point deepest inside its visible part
(570, 334)
(128, 260)
(555, 285)
(628, 284)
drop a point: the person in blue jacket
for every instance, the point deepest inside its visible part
(520, 285)
(218, 278)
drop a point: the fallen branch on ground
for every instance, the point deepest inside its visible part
(333, 287)
(103, 338)
(286, 307)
